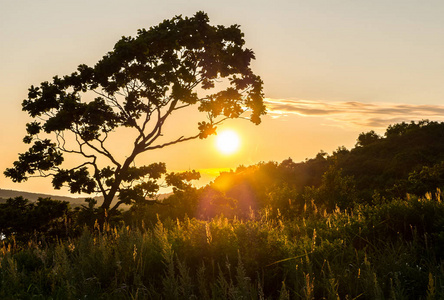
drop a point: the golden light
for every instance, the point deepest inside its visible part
(227, 142)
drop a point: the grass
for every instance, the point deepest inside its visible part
(389, 251)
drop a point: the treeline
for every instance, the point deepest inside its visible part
(408, 159)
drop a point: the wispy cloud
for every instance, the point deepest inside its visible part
(356, 113)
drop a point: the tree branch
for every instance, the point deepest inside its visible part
(179, 140)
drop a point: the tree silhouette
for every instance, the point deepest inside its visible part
(365, 139)
(138, 85)
(22, 219)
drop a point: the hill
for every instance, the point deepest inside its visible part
(6, 194)
(74, 201)
(408, 159)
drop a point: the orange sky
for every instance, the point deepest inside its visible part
(331, 69)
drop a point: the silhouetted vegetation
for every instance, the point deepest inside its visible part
(137, 86)
(45, 219)
(364, 223)
(408, 159)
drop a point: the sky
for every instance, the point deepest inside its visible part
(331, 70)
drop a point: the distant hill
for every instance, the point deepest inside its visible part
(6, 194)
(74, 201)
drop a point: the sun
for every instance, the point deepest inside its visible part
(227, 142)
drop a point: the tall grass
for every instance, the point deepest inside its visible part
(390, 251)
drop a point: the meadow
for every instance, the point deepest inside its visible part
(389, 251)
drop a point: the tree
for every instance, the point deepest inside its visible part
(138, 85)
(22, 219)
(335, 190)
(402, 128)
(365, 139)
(426, 180)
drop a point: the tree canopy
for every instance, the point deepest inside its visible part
(137, 85)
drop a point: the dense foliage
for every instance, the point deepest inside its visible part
(137, 86)
(45, 219)
(408, 159)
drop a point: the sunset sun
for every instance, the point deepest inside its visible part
(227, 142)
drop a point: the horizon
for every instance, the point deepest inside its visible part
(331, 70)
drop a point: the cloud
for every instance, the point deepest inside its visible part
(356, 113)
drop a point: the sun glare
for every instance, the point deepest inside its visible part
(227, 142)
